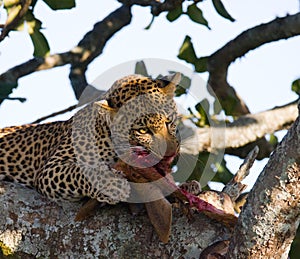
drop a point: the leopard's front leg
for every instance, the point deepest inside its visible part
(68, 180)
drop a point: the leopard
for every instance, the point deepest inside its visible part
(135, 121)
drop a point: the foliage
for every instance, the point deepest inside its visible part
(195, 13)
(188, 54)
(220, 8)
(16, 20)
(296, 86)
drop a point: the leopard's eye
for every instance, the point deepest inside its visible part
(143, 130)
(168, 120)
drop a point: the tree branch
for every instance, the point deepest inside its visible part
(70, 108)
(218, 62)
(31, 226)
(90, 94)
(79, 57)
(92, 45)
(244, 130)
(235, 187)
(270, 218)
(12, 22)
(157, 7)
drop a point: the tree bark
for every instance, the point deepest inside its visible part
(31, 226)
(270, 218)
(246, 129)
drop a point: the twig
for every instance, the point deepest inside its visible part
(90, 94)
(11, 23)
(71, 108)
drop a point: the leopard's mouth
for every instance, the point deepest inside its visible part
(146, 158)
(140, 151)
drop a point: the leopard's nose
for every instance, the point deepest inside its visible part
(172, 147)
(166, 146)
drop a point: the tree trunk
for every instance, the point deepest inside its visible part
(270, 218)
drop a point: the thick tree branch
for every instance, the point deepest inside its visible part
(31, 226)
(246, 129)
(79, 57)
(270, 218)
(92, 45)
(218, 62)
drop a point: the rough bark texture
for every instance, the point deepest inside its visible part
(246, 129)
(268, 222)
(35, 227)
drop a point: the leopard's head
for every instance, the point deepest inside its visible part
(141, 114)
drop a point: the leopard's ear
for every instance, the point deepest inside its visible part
(170, 82)
(104, 105)
(104, 108)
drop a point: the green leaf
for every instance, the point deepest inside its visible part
(180, 91)
(174, 14)
(273, 140)
(201, 64)
(184, 84)
(140, 68)
(10, 3)
(296, 86)
(60, 4)
(203, 109)
(196, 15)
(221, 10)
(203, 106)
(217, 107)
(203, 172)
(186, 51)
(39, 41)
(12, 13)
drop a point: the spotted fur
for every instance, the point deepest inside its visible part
(74, 159)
